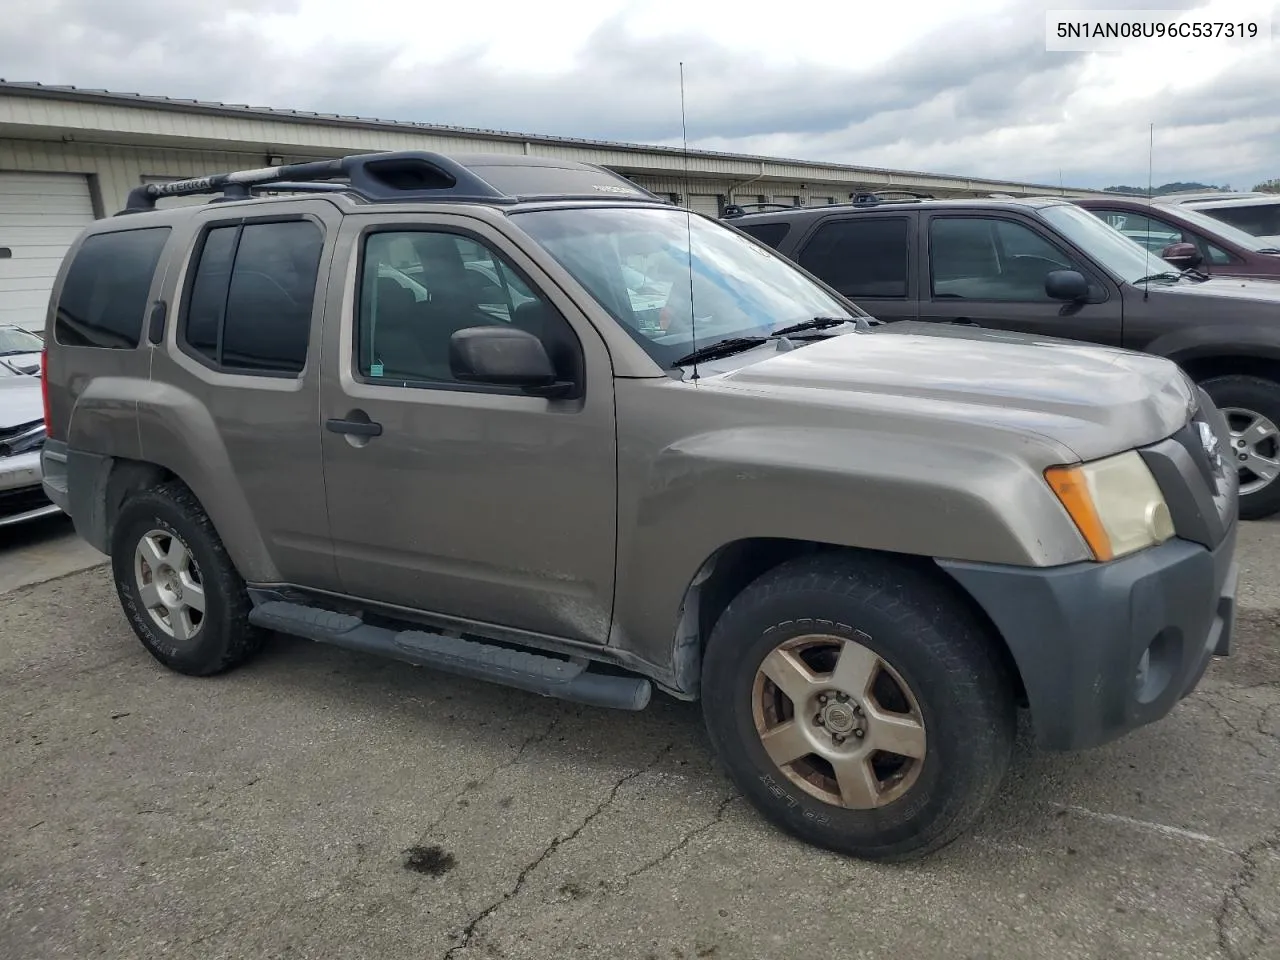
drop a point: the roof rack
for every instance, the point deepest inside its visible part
(409, 175)
(741, 209)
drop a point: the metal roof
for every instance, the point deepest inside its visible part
(217, 108)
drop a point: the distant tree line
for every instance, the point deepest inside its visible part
(1177, 186)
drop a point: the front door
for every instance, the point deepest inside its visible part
(990, 270)
(475, 502)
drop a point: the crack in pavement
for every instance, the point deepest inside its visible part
(1235, 733)
(1235, 894)
(470, 786)
(683, 842)
(468, 932)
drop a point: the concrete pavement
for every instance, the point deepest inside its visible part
(323, 804)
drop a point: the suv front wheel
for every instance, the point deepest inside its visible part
(1251, 406)
(177, 585)
(858, 705)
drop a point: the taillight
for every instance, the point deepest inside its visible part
(44, 390)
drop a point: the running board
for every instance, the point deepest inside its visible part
(548, 676)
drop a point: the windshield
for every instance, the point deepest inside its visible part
(1123, 257)
(1260, 219)
(15, 340)
(636, 263)
(1224, 229)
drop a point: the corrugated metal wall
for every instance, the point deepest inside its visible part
(114, 171)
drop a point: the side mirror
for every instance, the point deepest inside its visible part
(1067, 285)
(1182, 255)
(504, 356)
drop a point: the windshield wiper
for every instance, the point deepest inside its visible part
(1268, 250)
(1167, 275)
(816, 323)
(721, 348)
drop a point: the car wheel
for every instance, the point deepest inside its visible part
(858, 705)
(1251, 406)
(177, 585)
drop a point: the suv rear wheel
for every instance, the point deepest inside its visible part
(177, 585)
(1252, 408)
(858, 705)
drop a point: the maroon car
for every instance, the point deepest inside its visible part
(1189, 238)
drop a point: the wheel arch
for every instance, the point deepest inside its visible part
(733, 567)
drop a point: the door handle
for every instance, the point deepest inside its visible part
(354, 428)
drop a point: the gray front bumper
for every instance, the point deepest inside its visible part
(1104, 648)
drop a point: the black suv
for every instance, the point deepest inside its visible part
(1045, 266)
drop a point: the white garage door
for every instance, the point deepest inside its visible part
(40, 215)
(707, 203)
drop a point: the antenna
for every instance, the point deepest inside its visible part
(1151, 141)
(688, 226)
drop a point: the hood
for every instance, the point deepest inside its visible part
(1249, 289)
(20, 400)
(1094, 401)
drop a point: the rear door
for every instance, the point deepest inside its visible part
(237, 412)
(867, 258)
(989, 269)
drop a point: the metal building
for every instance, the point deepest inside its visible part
(69, 155)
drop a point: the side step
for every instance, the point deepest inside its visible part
(548, 676)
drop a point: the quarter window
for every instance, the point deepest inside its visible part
(980, 258)
(104, 296)
(860, 257)
(418, 288)
(249, 303)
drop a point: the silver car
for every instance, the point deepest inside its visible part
(21, 438)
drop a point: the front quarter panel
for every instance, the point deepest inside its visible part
(700, 470)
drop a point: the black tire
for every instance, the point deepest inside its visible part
(1262, 397)
(929, 638)
(224, 638)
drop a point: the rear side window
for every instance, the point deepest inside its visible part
(767, 233)
(860, 257)
(104, 296)
(250, 299)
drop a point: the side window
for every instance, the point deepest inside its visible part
(1216, 255)
(861, 256)
(770, 234)
(250, 298)
(982, 258)
(104, 296)
(1146, 231)
(417, 288)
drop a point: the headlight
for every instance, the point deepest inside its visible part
(1115, 503)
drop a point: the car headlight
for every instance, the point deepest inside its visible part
(1115, 503)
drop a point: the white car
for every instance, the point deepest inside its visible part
(1253, 212)
(22, 497)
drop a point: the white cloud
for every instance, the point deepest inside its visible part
(938, 86)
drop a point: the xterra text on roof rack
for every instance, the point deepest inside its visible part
(518, 420)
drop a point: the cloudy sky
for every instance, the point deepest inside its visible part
(931, 85)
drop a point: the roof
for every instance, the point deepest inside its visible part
(213, 107)
(411, 176)
(974, 203)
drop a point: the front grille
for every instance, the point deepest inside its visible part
(1199, 486)
(9, 433)
(25, 438)
(13, 502)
